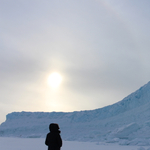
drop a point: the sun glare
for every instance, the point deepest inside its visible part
(54, 80)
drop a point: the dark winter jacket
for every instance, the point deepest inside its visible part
(53, 138)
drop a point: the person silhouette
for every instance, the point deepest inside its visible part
(53, 139)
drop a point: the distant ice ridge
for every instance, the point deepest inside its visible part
(126, 122)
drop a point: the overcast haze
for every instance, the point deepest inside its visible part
(100, 47)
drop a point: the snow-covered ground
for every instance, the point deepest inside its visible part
(38, 144)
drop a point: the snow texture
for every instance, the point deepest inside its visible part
(38, 144)
(126, 122)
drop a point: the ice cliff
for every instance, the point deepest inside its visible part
(126, 122)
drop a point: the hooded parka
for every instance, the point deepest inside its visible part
(53, 138)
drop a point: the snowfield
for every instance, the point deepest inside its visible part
(38, 144)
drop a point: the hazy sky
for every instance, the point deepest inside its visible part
(99, 47)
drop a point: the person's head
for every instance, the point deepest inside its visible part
(54, 127)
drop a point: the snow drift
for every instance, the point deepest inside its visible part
(126, 122)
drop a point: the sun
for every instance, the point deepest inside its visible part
(54, 80)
